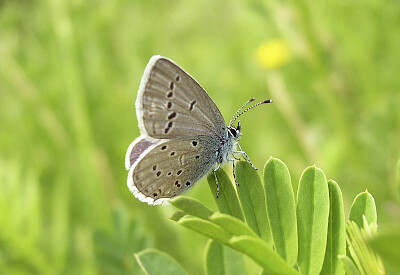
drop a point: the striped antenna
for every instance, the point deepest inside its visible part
(236, 115)
(248, 101)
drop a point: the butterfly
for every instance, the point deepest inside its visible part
(183, 134)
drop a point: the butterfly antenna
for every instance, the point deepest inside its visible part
(232, 119)
(236, 115)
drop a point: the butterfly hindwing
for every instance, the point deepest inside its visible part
(171, 167)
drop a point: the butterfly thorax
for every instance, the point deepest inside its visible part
(229, 144)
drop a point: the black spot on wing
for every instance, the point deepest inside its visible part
(191, 107)
(172, 115)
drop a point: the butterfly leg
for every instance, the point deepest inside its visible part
(235, 158)
(238, 159)
(233, 170)
(215, 177)
(246, 157)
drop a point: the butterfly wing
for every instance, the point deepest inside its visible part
(171, 104)
(137, 148)
(166, 169)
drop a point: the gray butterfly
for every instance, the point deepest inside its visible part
(183, 134)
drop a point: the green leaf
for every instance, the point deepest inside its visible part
(262, 254)
(205, 228)
(254, 247)
(152, 261)
(252, 198)
(177, 216)
(363, 204)
(312, 220)
(348, 265)
(281, 208)
(227, 201)
(336, 242)
(231, 224)
(222, 260)
(214, 259)
(233, 261)
(192, 207)
(364, 257)
(386, 243)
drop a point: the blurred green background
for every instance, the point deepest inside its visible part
(69, 72)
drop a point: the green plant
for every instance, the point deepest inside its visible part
(283, 235)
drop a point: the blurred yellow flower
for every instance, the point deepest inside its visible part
(273, 54)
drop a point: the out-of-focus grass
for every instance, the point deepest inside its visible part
(69, 72)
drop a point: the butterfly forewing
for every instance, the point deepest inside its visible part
(172, 167)
(168, 104)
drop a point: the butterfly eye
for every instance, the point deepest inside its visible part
(233, 131)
